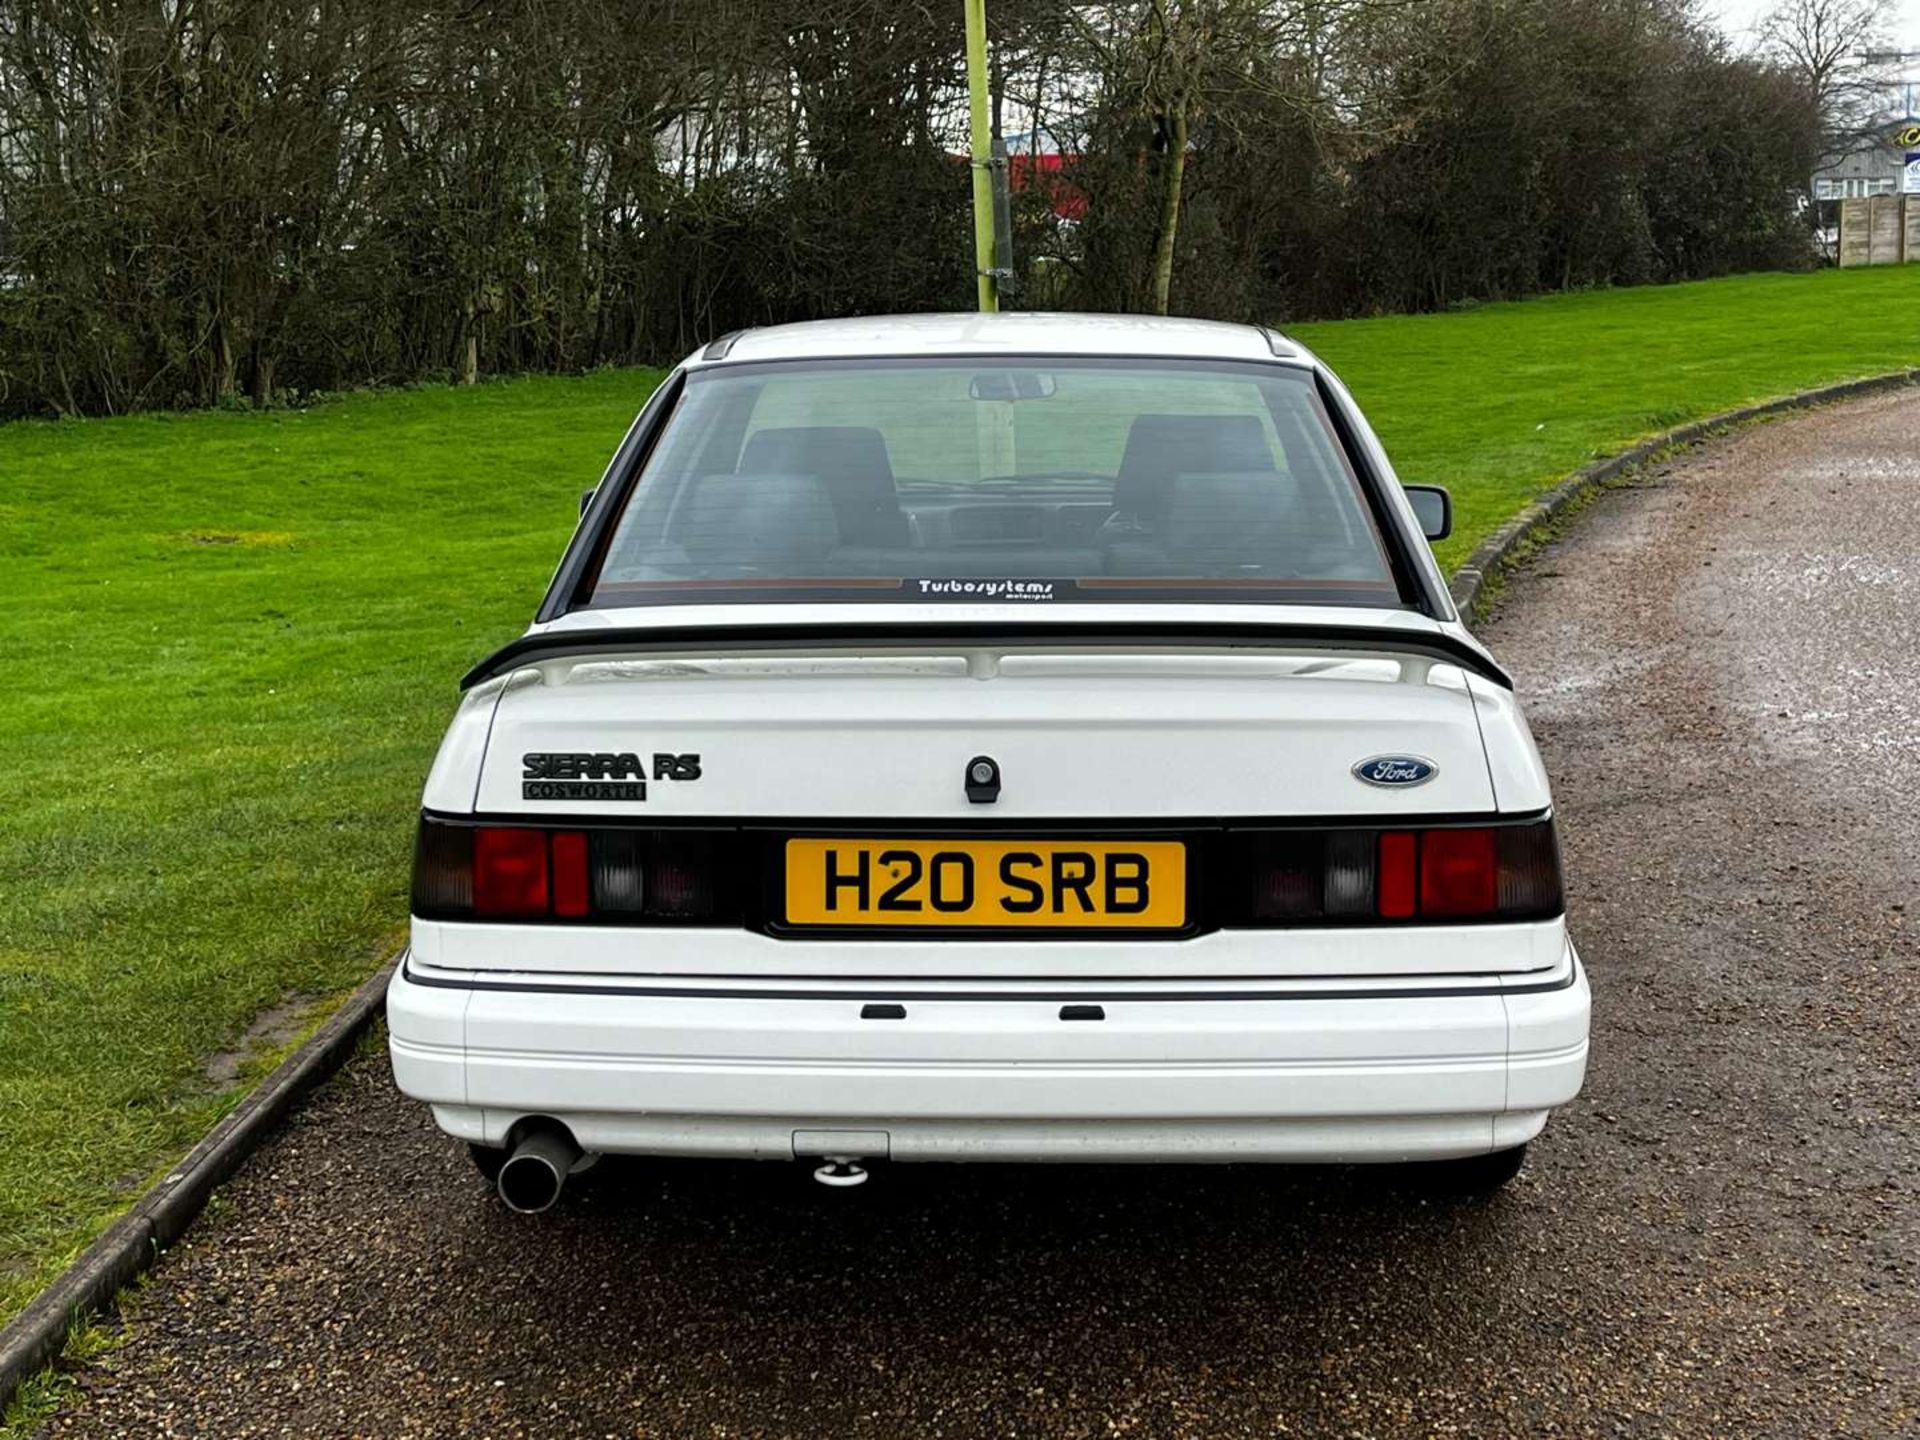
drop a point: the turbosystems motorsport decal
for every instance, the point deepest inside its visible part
(988, 589)
(602, 775)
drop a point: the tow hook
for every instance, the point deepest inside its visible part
(842, 1172)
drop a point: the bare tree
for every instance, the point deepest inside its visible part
(1831, 46)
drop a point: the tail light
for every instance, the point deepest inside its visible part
(572, 884)
(1265, 878)
(1441, 873)
(512, 872)
(1457, 874)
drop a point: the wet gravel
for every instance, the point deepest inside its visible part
(1719, 1238)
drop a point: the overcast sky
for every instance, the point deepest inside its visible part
(1740, 16)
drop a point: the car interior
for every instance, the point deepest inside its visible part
(1217, 497)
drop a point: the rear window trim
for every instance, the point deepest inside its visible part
(572, 581)
(575, 579)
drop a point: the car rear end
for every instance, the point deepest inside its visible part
(957, 878)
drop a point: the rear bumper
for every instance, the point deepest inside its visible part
(1296, 1071)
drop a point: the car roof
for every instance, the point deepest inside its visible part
(1018, 333)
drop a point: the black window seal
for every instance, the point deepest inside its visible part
(580, 565)
(567, 590)
(1406, 566)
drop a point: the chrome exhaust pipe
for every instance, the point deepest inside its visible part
(537, 1170)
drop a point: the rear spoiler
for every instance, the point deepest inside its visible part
(672, 639)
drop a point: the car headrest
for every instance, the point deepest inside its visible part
(772, 520)
(1223, 514)
(1160, 447)
(851, 460)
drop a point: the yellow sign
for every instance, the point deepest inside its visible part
(1070, 884)
(1907, 137)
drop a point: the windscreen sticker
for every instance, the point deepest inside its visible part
(988, 589)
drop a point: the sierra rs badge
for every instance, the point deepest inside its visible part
(600, 775)
(1395, 771)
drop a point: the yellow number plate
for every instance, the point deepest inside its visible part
(988, 883)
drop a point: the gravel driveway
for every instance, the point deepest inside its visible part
(1720, 1238)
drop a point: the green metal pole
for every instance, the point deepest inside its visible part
(981, 146)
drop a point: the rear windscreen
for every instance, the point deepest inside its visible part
(1022, 480)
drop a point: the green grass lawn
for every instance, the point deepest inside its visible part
(229, 644)
(1499, 401)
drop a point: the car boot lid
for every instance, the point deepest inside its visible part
(847, 731)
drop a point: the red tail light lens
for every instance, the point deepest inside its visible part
(464, 871)
(1397, 870)
(1457, 876)
(570, 887)
(1444, 873)
(509, 873)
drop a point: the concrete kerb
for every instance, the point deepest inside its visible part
(36, 1337)
(1492, 556)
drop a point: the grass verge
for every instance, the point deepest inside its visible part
(1500, 401)
(227, 650)
(43, 1396)
(228, 645)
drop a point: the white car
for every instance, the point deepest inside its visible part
(1020, 737)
